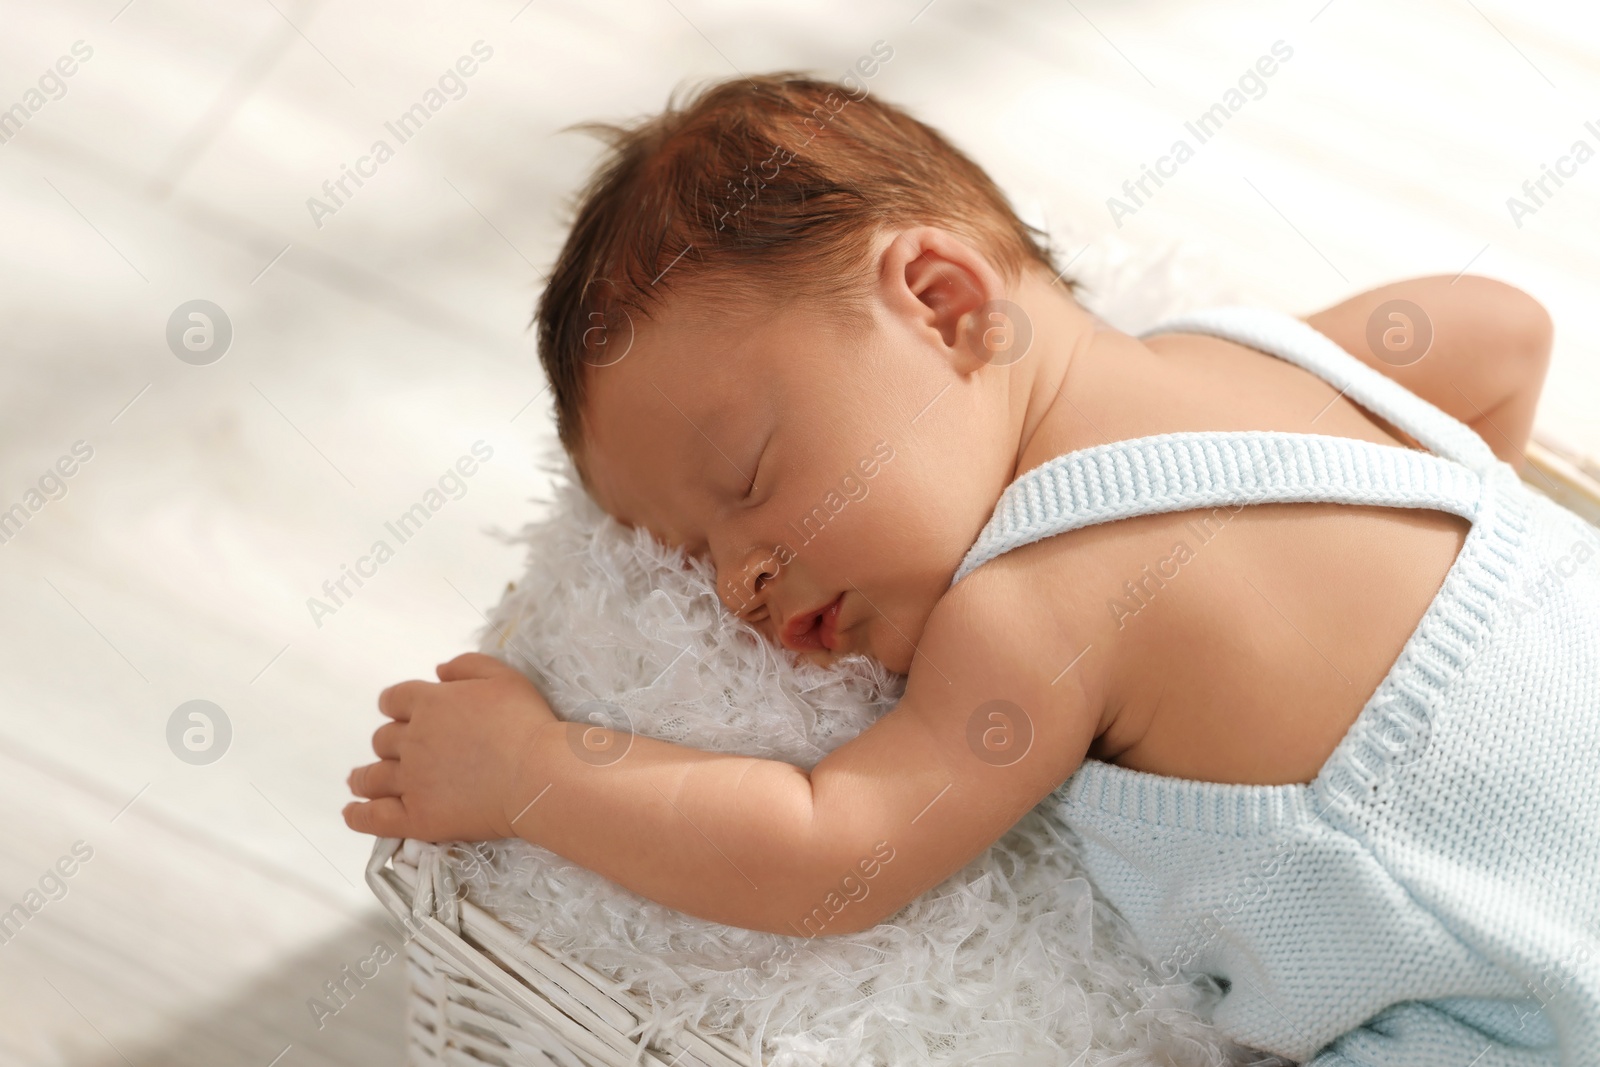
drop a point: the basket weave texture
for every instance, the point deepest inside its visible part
(481, 994)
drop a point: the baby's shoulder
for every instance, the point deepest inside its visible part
(1051, 617)
(1024, 623)
(1002, 672)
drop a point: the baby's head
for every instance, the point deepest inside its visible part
(785, 333)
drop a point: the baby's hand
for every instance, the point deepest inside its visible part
(452, 760)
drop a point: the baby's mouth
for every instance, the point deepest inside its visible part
(813, 630)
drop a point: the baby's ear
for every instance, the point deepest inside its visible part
(944, 283)
(947, 288)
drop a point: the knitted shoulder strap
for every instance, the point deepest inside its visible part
(1290, 339)
(1186, 471)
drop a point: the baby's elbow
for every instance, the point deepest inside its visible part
(848, 905)
(1535, 331)
(1519, 322)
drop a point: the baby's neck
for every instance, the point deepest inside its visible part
(1062, 330)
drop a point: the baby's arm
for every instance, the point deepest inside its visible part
(1490, 351)
(751, 842)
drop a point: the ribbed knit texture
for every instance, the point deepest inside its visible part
(1433, 896)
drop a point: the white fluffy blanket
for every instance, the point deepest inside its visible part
(1013, 960)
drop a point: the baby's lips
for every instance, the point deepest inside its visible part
(828, 624)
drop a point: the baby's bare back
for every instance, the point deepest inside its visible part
(1237, 644)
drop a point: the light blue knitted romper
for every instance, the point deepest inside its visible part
(1433, 896)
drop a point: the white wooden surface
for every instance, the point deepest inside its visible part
(371, 352)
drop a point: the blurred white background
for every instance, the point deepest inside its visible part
(371, 351)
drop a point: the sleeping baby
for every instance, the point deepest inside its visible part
(1260, 603)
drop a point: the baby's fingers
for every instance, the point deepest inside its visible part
(386, 740)
(399, 699)
(381, 779)
(385, 817)
(470, 665)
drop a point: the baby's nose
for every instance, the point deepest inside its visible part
(745, 585)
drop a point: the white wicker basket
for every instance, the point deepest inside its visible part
(481, 994)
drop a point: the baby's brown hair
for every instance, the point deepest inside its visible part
(770, 188)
